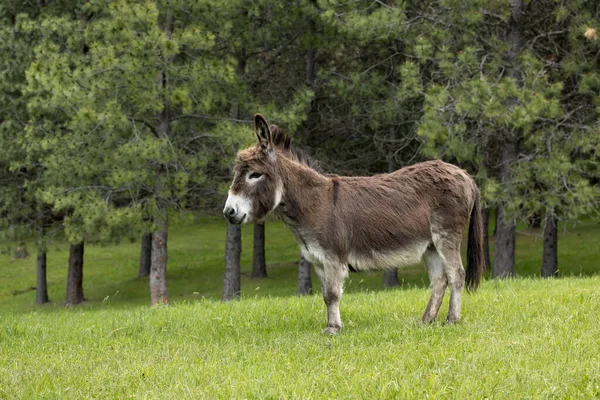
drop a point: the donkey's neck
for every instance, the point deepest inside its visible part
(303, 190)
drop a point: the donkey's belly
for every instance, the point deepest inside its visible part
(375, 260)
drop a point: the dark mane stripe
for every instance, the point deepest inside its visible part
(284, 142)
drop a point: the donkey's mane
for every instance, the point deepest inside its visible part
(283, 142)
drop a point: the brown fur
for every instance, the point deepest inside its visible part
(422, 208)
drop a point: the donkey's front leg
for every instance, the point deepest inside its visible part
(333, 282)
(321, 274)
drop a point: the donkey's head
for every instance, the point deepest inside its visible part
(256, 189)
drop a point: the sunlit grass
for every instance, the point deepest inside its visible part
(528, 338)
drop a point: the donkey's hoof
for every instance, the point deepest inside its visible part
(452, 320)
(331, 330)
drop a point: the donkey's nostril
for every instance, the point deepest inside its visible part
(229, 211)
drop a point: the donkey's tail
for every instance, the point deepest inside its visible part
(475, 257)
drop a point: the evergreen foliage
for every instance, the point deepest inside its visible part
(114, 113)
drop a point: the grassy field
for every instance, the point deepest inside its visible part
(527, 338)
(524, 338)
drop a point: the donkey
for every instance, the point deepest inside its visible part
(379, 222)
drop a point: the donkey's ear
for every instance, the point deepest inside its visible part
(263, 132)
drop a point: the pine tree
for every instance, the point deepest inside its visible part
(124, 93)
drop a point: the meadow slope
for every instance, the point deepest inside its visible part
(528, 338)
(531, 338)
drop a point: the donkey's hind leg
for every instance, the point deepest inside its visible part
(437, 275)
(334, 275)
(455, 272)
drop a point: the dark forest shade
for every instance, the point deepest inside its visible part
(233, 252)
(259, 265)
(41, 288)
(535, 221)
(485, 214)
(304, 277)
(75, 275)
(550, 254)
(145, 255)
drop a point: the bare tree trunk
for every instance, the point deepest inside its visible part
(390, 278)
(233, 252)
(75, 275)
(486, 238)
(504, 254)
(41, 288)
(158, 268)
(259, 265)
(550, 254)
(146, 255)
(304, 278)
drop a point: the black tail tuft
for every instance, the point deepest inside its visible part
(475, 257)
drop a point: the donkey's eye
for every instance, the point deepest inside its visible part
(254, 175)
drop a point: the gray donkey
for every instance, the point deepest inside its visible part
(379, 222)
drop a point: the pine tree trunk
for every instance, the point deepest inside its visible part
(75, 275)
(233, 251)
(146, 255)
(486, 238)
(390, 278)
(304, 278)
(259, 265)
(304, 266)
(233, 241)
(159, 293)
(504, 254)
(41, 288)
(504, 257)
(550, 255)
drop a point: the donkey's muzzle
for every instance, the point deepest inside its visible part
(230, 213)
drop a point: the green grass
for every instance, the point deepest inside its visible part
(524, 337)
(531, 338)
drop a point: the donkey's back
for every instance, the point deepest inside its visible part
(390, 220)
